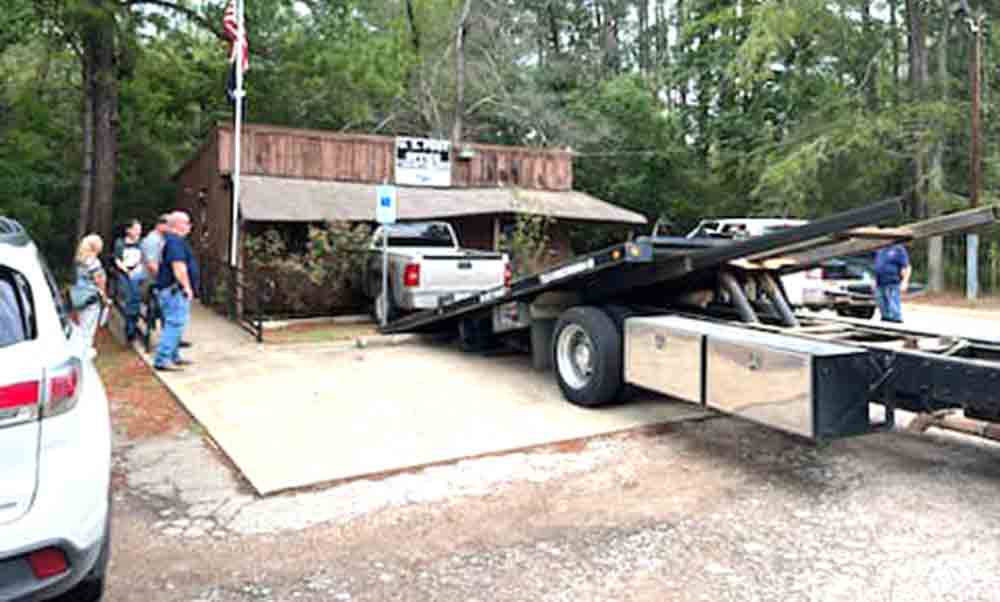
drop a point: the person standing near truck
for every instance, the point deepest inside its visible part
(892, 277)
(175, 290)
(128, 259)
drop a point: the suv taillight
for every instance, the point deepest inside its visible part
(508, 274)
(63, 384)
(411, 275)
(19, 402)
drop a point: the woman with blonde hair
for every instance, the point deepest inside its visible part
(89, 294)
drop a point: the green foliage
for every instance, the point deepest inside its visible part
(527, 243)
(323, 278)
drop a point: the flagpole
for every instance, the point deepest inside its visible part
(237, 133)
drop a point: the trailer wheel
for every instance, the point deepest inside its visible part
(587, 356)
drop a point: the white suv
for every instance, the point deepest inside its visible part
(55, 438)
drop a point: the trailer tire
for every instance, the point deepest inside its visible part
(587, 356)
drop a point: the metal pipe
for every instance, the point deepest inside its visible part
(777, 299)
(739, 299)
(951, 420)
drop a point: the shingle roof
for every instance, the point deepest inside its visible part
(270, 199)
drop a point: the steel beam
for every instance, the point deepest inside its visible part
(954, 223)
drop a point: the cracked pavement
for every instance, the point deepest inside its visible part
(716, 509)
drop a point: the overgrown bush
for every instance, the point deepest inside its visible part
(528, 243)
(322, 280)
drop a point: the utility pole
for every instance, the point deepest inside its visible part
(975, 158)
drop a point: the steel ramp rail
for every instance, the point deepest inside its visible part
(954, 223)
(629, 266)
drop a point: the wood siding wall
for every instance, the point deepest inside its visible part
(320, 155)
(212, 214)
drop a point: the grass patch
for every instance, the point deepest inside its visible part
(319, 333)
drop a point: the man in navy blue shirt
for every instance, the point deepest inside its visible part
(175, 289)
(892, 276)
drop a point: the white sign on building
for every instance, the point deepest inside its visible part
(423, 162)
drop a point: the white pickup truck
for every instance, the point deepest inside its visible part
(427, 267)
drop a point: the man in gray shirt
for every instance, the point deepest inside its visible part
(152, 248)
(152, 255)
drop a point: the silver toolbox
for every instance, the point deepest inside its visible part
(664, 354)
(811, 388)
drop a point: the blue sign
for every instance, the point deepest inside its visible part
(386, 204)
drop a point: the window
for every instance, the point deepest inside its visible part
(58, 299)
(418, 235)
(17, 319)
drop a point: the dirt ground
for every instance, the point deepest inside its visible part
(955, 301)
(711, 509)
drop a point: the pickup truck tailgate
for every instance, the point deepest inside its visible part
(467, 272)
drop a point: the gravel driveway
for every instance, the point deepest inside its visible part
(715, 509)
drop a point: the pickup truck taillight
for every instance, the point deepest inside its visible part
(411, 275)
(508, 274)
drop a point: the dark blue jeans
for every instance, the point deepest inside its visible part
(889, 305)
(131, 297)
(176, 309)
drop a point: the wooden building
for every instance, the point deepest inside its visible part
(309, 176)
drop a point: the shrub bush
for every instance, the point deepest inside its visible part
(322, 280)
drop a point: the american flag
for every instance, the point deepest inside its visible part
(234, 32)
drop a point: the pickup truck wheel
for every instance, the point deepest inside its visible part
(476, 334)
(587, 356)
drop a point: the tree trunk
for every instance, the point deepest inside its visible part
(87, 151)
(681, 24)
(100, 78)
(414, 29)
(105, 131)
(935, 246)
(870, 74)
(894, 27)
(919, 75)
(643, 8)
(456, 129)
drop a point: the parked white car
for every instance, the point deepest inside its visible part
(839, 284)
(55, 438)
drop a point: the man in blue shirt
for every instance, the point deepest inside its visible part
(175, 290)
(892, 276)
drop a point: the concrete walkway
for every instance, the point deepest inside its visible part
(296, 415)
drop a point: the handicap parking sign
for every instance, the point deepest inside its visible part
(385, 207)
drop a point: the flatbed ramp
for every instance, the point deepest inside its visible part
(621, 268)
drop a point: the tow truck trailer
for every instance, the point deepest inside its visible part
(707, 322)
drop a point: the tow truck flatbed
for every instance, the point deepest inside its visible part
(689, 318)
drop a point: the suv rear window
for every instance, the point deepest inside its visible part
(17, 310)
(57, 298)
